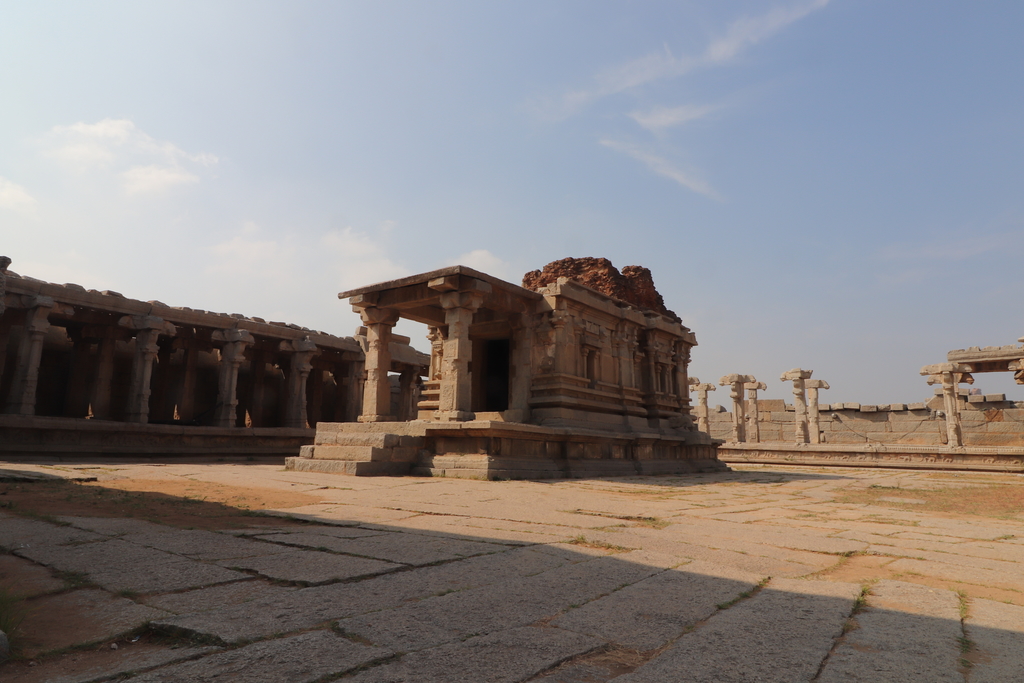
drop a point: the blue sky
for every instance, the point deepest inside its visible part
(830, 185)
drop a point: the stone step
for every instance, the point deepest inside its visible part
(365, 453)
(359, 469)
(376, 439)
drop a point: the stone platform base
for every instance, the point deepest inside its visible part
(29, 438)
(500, 450)
(981, 458)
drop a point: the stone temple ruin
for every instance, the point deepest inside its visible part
(556, 379)
(581, 371)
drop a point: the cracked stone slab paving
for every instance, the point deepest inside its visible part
(303, 658)
(499, 657)
(752, 575)
(907, 633)
(311, 567)
(780, 634)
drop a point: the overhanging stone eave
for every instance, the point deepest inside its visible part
(423, 278)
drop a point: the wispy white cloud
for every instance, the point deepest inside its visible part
(485, 262)
(660, 118)
(361, 258)
(14, 197)
(664, 167)
(152, 179)
(149, 165)
(741, 34)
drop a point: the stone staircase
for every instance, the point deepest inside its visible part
(379, 448)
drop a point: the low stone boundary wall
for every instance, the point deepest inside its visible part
(986, 421)
(38, 438)
(981, 458)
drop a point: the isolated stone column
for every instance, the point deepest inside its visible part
(299, 366)
(950, 376)
(232, 353)
(379, 324)
(812, 386)
(26, 370)
(798, 378)
(456, 400)
(147, 331)
(703, 423)
(735, 383)
(753, 425)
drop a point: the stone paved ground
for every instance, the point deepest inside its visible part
(755, 575)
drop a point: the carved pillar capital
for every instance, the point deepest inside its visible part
(471, 300)
(371, 315)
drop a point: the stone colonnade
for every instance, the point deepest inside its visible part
(70, 352)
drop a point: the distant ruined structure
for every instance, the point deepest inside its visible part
(554, 379)
(954, 429)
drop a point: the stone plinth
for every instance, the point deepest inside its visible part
(486, 449)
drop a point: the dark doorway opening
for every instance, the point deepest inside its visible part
(495, 374)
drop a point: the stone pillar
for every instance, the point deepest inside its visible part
(950, 376)
(798, 378)
(735, 383)
(22, 399)
(521, 371)
(76, 398)
(147, 332)
(187, 393)
(753, 424)
(812, 386)
(299, 366)
(703, 421)
(456, 398)
(232, 353)
(407, 383)
(436, 338)
(376, 390)
(315, 396)
(562, 334)
(357, 377)
(4, 262)
(99, 397)
(4, 329)
(161, 404)
(681, 359)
